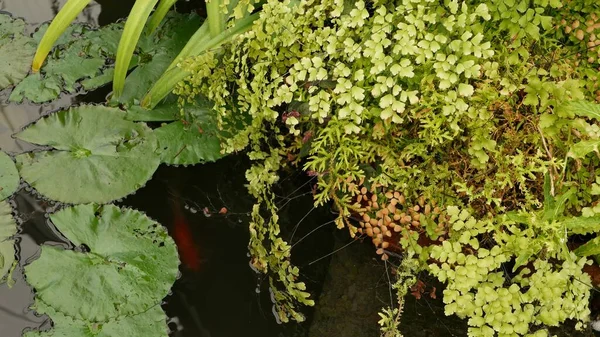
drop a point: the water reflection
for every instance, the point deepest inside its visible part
(40, 11)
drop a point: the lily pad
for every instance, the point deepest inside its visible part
(9, 176)
(8, 228)
(151, 323)
(16, 51)
(127, 266)
(98, 156)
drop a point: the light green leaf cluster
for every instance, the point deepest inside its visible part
(479, 288)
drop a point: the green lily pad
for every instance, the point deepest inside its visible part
(9, 176)
(8, 228)
(166, 111)
(98, 156)
(128, 267)
(16, 51)
(151, 323)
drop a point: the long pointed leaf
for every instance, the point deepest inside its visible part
(167, 82)
(159, 14)
(131, 33)
(60, 23)
(215, 17)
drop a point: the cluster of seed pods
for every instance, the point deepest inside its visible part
(387, 216)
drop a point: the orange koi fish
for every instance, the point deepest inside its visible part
(189, 253)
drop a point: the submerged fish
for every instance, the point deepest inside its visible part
(189, 253)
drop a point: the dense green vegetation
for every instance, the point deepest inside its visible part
(462, 135)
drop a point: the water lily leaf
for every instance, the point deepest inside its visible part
(191, 142)
(129, 264)
(9, 176)
(8, 228)
(151, 323)
(98, 156)
(37, 89)
(165, 112)
(16, 51)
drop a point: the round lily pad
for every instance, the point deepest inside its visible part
(9, 176)
(125, 264)
(8, 228)
(98, 156)
(16, 51)
(151, 323)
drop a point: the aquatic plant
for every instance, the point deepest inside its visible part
(425, 102)
(226, 19)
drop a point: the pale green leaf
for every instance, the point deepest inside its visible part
(59, 24)
(581, 108)
(98, 156)
(16, 51)
(131, 34)
(583, 148)
(8, 228)
(129, 264)
(582, 225)
(591, 247)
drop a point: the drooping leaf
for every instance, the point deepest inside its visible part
(151, 323)
(59, 24)
(129, 39)
(9, 177)
(98, 156)
(128, 267)
(582, 225)
(591, 247)
(16, 51)
(8, 228)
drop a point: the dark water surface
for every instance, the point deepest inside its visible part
(225, 298)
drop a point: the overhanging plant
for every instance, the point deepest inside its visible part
(225, 20)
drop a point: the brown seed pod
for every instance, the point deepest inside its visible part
(397, 217)
(421, 201)
(416, 208)
(416, 216)
(385, 211)
(385, 257)
(362, 224)
(391, 208)
(370, 232)
(373, 222)
(388, 234)
(397, 195)
(366, 217)
(415, 223)
(363, 190)
(360, 230)
(427, 210)
(393, 201)
(376, 230)
(401, 199)
(385, 244)
(568, 29)
(389, 195)
(379, 251)
(376, 241)
(380, 222)
(579, 34)
(387, 220)
(375, 204)
(374, 197)
(397, 228)
(575, 24)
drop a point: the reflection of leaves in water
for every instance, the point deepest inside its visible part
(98, 156)
(128, 266)
(8, 228)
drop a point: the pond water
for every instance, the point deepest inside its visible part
(225, 297)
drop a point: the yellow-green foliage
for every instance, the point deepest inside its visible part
(483, 106)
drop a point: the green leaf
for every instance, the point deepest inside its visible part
(9, 177)
(195, 143)
(582, 225)
(59, 24)
(36, 89)
(159, 14)
(522, 259)
(131, 34)
(151, 323)
(131, 264)
(8, 228)
(583, 148)
(167, 111)
(591, 247)
(581, 108)
(16, 51)
(98, 156)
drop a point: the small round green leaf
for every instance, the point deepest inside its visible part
(151, 323)
(9, 176)
(131, 264)
(8, 228)
(98, 156)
